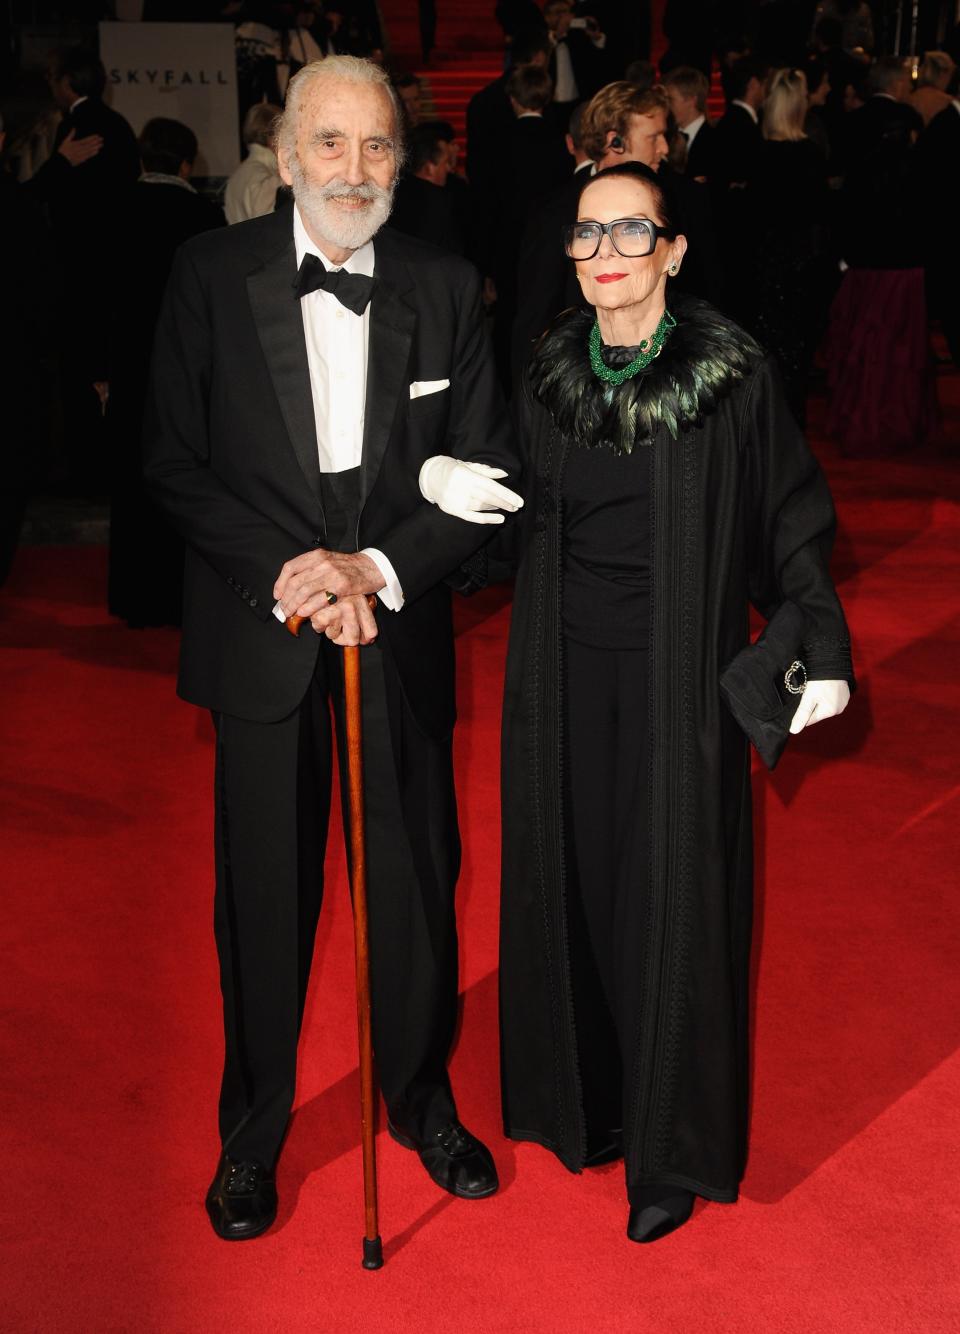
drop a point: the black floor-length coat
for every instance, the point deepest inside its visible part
(741, 513)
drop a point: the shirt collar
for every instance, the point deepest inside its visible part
(74, 105)
(693, 128)
(582, 166)
(748, 109)
(361, 261)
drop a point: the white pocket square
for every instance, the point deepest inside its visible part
(421, 387)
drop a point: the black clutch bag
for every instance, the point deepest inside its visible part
(763, 683)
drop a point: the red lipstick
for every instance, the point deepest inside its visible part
(609, 277)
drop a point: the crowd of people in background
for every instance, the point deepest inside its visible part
(818, 210)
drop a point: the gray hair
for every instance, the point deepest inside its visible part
(885, 73)
(259, 124)
(342, 69)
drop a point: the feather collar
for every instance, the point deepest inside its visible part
(705, 356)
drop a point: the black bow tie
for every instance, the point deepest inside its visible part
(352, 290)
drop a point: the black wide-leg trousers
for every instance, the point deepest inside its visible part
(607, 745)
(273, 785)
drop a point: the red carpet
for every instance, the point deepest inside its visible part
(848, 1220)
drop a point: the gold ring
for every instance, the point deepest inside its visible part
(331, 597)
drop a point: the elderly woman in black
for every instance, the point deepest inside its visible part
(668, 487)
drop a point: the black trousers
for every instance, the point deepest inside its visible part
(608, 853)
(273, 784)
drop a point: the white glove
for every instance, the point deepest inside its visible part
(820, 699)
(467, 490)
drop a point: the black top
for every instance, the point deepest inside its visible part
(606, 541)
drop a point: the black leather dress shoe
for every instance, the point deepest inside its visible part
(659, 1211)
(455, 1160)
(242, 1200)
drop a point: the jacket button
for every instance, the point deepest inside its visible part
(318, 541)
(253, 602)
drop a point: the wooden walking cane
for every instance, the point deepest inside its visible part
(372, 1245)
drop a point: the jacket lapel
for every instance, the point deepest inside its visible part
(392, 323)
(279, 321)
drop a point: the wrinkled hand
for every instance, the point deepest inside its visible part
(348, 622)
(304, 582)
(77, 151)
(820, 699)
(467, 490)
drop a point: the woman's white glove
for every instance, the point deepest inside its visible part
(820, 699)
(467, 490)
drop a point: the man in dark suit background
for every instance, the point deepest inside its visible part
(546, 282)
(737, 139)
(304, 377)
(423, 206)
(534, 161)
(490, 115)
(624, 124)
(161, 212)
(579, 62)
(687, 90)
(84, 203)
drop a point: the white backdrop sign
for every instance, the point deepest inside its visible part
(184, 71)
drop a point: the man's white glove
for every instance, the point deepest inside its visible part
(820, 699)
(467, 490)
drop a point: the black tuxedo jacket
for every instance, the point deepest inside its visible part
(94, 185)
(736, 145)
(231, 455)
(700, 155)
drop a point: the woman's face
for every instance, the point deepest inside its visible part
(610, 280)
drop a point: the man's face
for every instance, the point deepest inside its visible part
(410, 97)
(557, 18)
(646, 140)
(344, 166)
(683, 106)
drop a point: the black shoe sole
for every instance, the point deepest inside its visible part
(406, 1143)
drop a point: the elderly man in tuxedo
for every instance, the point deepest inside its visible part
(324, 414)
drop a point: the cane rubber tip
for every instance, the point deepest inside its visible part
(372, 1253)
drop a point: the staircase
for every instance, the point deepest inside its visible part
(468, 54)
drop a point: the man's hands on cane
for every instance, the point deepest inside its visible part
(306, 585)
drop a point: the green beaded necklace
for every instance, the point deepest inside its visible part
(648, 351)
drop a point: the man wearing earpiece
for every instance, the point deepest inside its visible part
(625, 124)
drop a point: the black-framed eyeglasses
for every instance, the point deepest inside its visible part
(630, 237)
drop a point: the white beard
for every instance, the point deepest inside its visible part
(349, 231)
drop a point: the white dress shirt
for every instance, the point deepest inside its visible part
(693, 129)
(337, 341)
(566, 87)
(747, 108)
